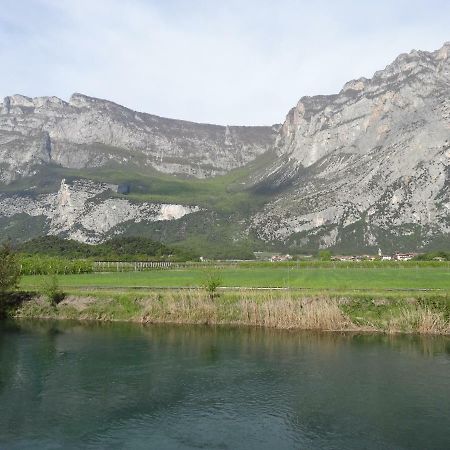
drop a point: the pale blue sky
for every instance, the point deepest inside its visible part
(228, 62)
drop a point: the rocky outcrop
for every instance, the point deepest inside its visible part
(375, 157)
(88, 211)
(88, 132)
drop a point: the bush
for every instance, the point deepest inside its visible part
(52, 291)
(9, 269)
(211, 281)
(325, 255)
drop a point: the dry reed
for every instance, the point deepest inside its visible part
(263, 309)
(419, 320)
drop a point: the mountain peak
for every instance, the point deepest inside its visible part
(81, 100)
(444, 52)
(18, 103)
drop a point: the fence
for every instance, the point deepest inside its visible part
(130, 266)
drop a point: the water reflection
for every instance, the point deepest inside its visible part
(113, 385)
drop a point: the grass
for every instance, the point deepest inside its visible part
(225, 202)
(315, 278)
(225, 193)
(273, 309)
(388, 299)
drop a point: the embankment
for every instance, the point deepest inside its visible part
(383, 312)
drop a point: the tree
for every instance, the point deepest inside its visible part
(9, 269)
(211, 281)
(325, 255)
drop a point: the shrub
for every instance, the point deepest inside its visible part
(52, 291)
(211, 281)
(325, 255)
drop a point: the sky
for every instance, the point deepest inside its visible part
(235, 62)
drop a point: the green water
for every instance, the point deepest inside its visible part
(114, 386)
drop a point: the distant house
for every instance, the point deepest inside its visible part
(343, 258)
(352, 258)
(357, 258)
(403, 256)
(386, 258)
(278, 258)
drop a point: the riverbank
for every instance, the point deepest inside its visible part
(395, 312)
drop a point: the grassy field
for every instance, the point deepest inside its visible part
(387, 299)
(312, 278)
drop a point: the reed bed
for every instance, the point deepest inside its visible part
(265, 310)
(286, 312)
(419, 320)
(272, 309)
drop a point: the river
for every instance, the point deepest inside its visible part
(113, 386)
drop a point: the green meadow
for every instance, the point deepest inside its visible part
(389, 299)
(415, 278)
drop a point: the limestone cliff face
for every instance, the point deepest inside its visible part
(367, 167)
(375, 156)
(88, 211)
(87, 132)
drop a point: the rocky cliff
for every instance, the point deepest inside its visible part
(368, 166)
(87, 132)
(87, 211)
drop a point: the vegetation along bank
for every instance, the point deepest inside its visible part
(410, 296)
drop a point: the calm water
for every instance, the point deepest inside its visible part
(126, 386)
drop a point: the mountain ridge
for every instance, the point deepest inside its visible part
(341, 154)
(40, 130)
(367, 167)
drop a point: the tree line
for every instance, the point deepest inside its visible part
(115, 249)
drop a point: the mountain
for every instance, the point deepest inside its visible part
(363, 169)
(369, 166)
(88, 132)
